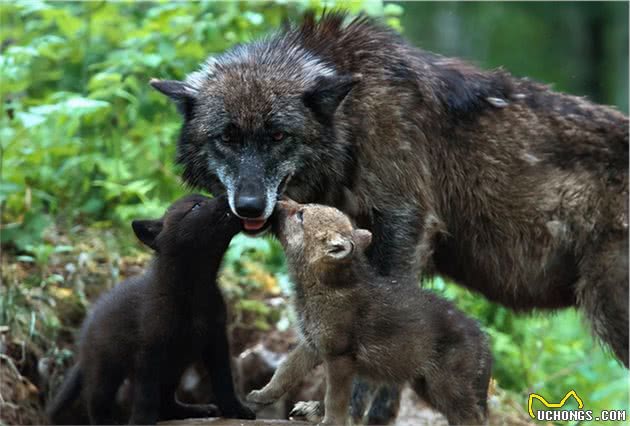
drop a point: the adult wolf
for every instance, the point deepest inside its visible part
(499, 183)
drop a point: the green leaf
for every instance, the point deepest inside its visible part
(29, 119)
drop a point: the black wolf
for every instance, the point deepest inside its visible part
(497, 182)
(150, 328)
(358, 322)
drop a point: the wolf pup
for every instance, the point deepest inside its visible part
(361, 323)
(151, 327)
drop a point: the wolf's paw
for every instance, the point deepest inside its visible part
(260, 397)
(311, 411)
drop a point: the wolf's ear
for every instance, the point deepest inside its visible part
(362, 238)
(328, 92)
(147, 231)
(339, 248)
(179, 92)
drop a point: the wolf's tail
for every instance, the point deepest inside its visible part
(69, 391)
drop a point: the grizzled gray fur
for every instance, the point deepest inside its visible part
(496, 182)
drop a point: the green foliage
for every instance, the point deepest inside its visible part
(577, 47)
(83, 136)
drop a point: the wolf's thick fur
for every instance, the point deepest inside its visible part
(497, 182)
(151, 327)
(360, 323)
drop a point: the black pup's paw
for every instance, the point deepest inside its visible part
(239, 411)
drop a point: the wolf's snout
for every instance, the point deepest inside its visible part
(249, 206)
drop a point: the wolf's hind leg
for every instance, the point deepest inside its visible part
(602, 293)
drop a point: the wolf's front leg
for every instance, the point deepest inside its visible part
(299, 362)
(339, 374)
(401, 241)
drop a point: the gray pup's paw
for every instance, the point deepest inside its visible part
(260, 397)
(311, 411)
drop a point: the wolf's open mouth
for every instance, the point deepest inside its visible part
(253, 225)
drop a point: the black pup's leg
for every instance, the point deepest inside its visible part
(172, 409)
(100, 402)
(216, 356)
(146, 389)
(179, 410)
(101, 384)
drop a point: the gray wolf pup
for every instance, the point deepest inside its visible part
(382, 328)
(151, 327)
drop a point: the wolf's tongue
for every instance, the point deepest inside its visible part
(253, 224)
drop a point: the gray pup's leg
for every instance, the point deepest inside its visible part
(339, 374)
(455, 400)
(299, 362)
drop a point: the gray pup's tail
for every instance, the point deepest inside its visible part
(69, 391)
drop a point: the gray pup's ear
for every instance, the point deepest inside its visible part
(339, 248)
(327, 94)
(147, 231)
(362, 238)
(179, 92)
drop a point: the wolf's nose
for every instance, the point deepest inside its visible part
(249, 206)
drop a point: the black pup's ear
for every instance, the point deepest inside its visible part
(147, 231)
(179, 92)
(327, 94)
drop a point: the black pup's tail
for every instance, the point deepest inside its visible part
(69, 391)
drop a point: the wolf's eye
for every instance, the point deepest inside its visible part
(300, 216)
(225, 137)
(277, 135)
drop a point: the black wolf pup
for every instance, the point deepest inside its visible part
(383, 328)
(151, 327)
